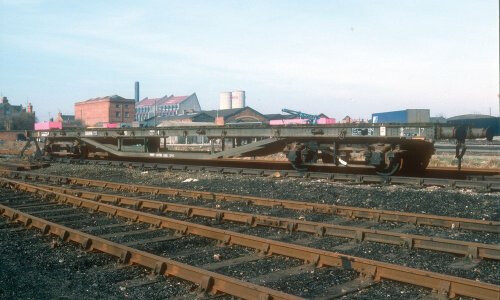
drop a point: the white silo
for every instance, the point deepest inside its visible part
(238, 99)
(225, 100)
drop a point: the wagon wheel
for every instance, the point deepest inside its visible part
(416, 164)
(389, 170)
(299, 155)
(295, 160)
(308, 155)
(327, 158)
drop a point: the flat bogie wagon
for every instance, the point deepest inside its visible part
(387, 147)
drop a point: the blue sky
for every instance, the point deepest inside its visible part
(337, 57)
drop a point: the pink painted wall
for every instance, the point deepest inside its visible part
(110, 125)
(48, 125)
(326, 121)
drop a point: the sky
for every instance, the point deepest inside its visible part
(338, 57)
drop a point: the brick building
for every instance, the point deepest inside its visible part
(14, 117)
(167, 106)
(109, 109)
(7, 109)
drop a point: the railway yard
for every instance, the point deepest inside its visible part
(112, 230)
(257, 150)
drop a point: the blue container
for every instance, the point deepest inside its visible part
(400, 116)
(403, 116)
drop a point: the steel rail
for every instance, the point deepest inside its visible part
(469, 249)
(343, 211)
(210, 282)
(445, 284)
(489, 183)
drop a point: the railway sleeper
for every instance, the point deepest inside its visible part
(316, 259)
(359, 235)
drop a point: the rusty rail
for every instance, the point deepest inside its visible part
(437, 177)
(469, 249)
(445, 284)
(208, 281)
(343, 211)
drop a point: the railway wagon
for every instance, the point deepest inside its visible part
(389, 148)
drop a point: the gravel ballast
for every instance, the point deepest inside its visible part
(430, 200)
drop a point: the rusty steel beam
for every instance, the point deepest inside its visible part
(445, 284)
(343, 211)
(331, 132)
(469, 249)
(209, 282)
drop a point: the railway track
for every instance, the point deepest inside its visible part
(356, 273)
(359, 234)
(22, 166)
(479, 179)
(349, 212)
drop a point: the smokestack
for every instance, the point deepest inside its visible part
(136, 91)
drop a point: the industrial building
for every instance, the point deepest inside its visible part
(110, 109)
(235, 115)
(166, 106)
(232, 100)
(219, 117)
(403, 116)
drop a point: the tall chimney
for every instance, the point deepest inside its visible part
(136, 91)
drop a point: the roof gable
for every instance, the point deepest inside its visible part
(165, 100)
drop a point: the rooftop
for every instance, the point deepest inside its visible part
(223, 112)
(114, 98)
(470, 116)
(166, 100)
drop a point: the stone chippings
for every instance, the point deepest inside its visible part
(461, 203)
(430, 200)
(30, 269)
(238, 206)
(259, 267)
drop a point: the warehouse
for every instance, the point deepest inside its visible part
(166, 106)
(102, 110)
(403, 116)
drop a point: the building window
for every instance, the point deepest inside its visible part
(126, 105)
(126, 115)
(118, 106)
(117, 114)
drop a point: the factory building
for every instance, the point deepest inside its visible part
(235, 115)
(219, 117)
(230, 100)
(166, 106)
(403, 116)
(110, 109)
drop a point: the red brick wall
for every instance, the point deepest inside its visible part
(92, 113)
(120, 112)
(9, 135)
(105, 111)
